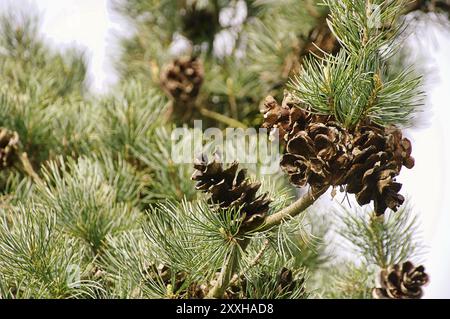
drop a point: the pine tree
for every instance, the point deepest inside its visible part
(94, 206)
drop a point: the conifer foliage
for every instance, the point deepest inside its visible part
(94, 205)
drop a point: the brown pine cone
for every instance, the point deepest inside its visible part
(276, 117)
(286, 282)
(182, 79)
(377, 157)
(9, 142)
(320, 152)
(229, 188)
(401, 282)
(317, 156)
(400, 147)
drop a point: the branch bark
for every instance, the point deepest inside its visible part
(221, 118)
(228, 269)
(28, 168)
(292, 210)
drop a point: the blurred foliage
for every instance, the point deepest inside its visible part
(249, 51)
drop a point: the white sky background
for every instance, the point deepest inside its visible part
(88, 24)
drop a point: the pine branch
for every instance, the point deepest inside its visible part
(291, 211)
(381, 240)
(252, 264)
(230, 263)
(28, 168)
(344, 85)
(228, 269)
(221, 118)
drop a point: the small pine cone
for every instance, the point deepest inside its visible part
(287, 282)
(318, 155)
(182, 79)
(401, 282)
(236, 289)
(9, 142)
(400, 147)
(197, 291)
(372, 178)
(276, 116)
(230, 188)
(378, 155)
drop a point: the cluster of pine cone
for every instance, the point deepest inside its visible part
(320, 152)
(9, 142)
(229, 188)
(403, 281)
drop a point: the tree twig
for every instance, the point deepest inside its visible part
(254, 262)
(221, 118)
(228, 269)
(292, 210)
(28, 168)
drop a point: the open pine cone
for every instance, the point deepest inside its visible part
(230, 188)
(9, 142)
(320, 152)
(378, 156)
(401, 282)
(317, 156)
(182, 79)
(317, 148)
(286, 116)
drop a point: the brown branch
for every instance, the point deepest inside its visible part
(253, 263)
(221, 118)
(292, 210)
(229, 266)
(28, 168)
